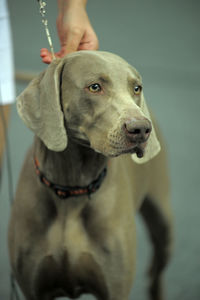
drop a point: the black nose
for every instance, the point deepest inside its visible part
(137, 131)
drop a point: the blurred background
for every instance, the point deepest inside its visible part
(162, 40)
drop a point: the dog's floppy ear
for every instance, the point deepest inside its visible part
(40, 109)
(153, 146)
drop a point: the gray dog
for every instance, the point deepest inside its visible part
(72, 228)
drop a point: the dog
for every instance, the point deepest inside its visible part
(97, 159)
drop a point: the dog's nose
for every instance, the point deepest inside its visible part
(138, 131)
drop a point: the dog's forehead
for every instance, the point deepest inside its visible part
(86, 65)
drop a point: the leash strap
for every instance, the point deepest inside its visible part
(64, 192)
(42, 5)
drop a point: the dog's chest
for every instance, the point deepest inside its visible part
(72, 261)
(69, 235)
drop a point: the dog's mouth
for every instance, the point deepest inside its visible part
(131, 148)
(138, 149)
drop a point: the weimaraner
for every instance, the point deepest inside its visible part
(95, 162)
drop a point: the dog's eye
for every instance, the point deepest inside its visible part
(137, 89)
(94, 88)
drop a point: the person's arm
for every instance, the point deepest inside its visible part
(74, 29)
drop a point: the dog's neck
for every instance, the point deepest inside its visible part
(77, 165)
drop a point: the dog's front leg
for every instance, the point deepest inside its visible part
(120, 261)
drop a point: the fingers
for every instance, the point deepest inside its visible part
(71, 44)
(46, 56)
(72, 41)
(90, 44)
(75, 40)
(80, 40)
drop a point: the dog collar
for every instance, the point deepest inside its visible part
(64, 192)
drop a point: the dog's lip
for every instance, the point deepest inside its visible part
(138, 149)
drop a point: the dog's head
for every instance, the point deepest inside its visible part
(97, 98)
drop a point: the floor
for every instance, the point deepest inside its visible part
(161, 39)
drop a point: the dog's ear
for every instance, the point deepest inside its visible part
(40, 109)
(153, 146)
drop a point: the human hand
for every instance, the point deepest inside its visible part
(74, 30)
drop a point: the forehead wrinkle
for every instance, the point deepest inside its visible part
(104, 78)
(133, 81)
(98, 77)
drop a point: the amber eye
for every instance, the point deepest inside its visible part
(137, 89)
(94, 88)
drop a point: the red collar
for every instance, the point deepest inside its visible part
(64, 192)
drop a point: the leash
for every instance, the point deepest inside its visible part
(42, 11)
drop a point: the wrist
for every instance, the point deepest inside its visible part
(64, 5)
